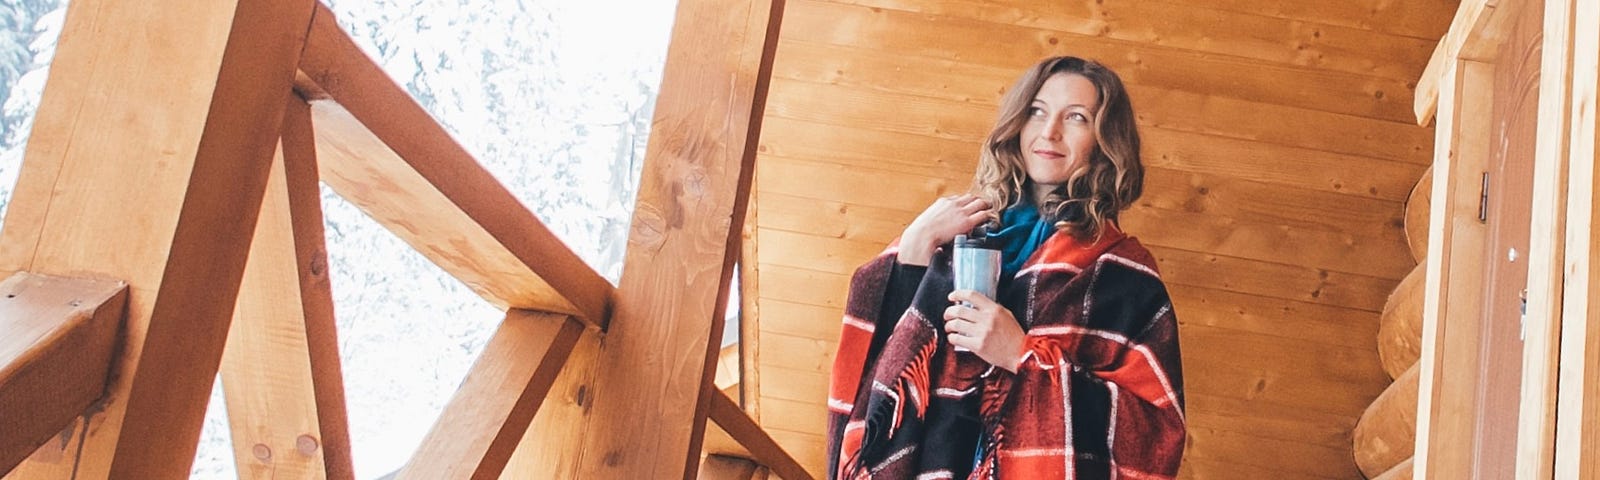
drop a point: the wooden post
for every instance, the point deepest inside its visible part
(281, 372)
(666, 327)
(479, 429)
(147, 163)
(1542, 322)
(1449, 359)
(57, 337)
(1577, 438)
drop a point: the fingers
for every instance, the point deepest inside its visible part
(978, 300)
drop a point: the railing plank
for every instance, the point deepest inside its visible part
(57, 336)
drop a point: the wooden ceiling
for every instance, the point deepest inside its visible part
(1280, 148)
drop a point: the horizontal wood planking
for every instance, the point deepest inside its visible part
(976, 41)
(1310, 461)
(1167, 189)
(1289, 282)
(794, 415)
(1210, 468)
(940, 77)
(1334, 251)
(1173, 25)
(952, 159)
(1276, 317)
(1269, 421)
(882, 111)
(798, 385)
(1260, 238)
(1417, 19)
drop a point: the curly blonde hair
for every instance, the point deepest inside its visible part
(1094, 193)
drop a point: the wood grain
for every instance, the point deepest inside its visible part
(1171, 24)
(484, 421)
(58, 338)
(1181, 111)
(207, 83)
(1418, 205)
(281, 372)
(1400, 326)
(1448, 363)
(725, 415)
(1577, 435)
(683, 243)
(1386, 435)
(550, 447)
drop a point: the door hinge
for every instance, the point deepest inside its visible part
(1483, 200)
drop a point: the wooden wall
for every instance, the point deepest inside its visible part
(1280, 147)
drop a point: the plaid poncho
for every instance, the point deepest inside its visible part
(1099, 394)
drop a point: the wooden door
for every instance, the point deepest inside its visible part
(1506, 211)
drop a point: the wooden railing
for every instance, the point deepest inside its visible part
(178, 149)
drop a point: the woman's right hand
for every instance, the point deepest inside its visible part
(939, 224)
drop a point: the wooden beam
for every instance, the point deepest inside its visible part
(281, 372)
(57, 337)
(732, 422)
(481, 426)
(1448, 374)
(683, 242)
(147, 163)
(552, 445)
(1568, 348)
(381, 151)
(1474, 34)
(750, 310)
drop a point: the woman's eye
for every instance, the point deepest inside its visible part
(1077, 117)
(1035, 112)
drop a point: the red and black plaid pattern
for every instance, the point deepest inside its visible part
(1099, 393)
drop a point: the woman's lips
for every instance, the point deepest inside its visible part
(1048, 154)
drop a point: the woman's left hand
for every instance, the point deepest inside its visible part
(986, 328)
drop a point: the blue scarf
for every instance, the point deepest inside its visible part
(1022, 231)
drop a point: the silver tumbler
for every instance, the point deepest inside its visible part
(975, 267)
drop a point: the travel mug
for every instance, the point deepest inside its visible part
(975, 267)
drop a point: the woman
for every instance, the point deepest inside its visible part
(1073, 372)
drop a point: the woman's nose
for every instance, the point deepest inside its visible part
(1052, 131)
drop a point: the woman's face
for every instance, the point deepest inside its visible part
(1059, 133)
